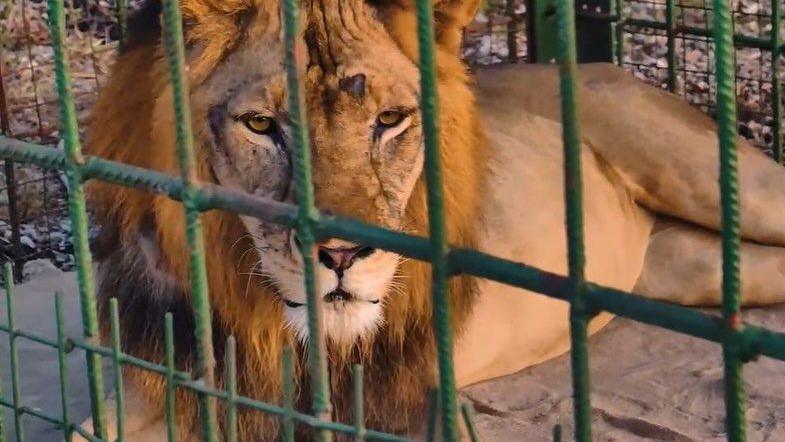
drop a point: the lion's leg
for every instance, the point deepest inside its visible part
(683, 265)
(142, 421)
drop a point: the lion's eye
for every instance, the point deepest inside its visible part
(258, 123)
(389, 118)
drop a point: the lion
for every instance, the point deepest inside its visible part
(649, 196)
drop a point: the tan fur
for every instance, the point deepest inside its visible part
(132, 123)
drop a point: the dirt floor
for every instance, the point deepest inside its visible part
(647, 383)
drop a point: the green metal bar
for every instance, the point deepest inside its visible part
(16, 393)
(776, 83)
(468, 412)
(175, 51)
(3, 437)
(117, 365)
(573, 194)
(618, 27)
(171, 432)
(359, 408)
(77, 212)
(557, 433)
(429, 105)
(86, 434)
(122, 22)
(231, 390)
(287, 435)
(670, 22)
(30, 411)
(62, 365)
(541, 32)
(724, 53)
(306, 217)
(568, 69)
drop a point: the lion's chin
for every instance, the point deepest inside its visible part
(344, 321)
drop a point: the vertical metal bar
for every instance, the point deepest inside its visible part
(16, 394)
(557, 433)
(231, 390)
(62, 365)
(2, 418)
(468, 412)
(512, 31)
(288, 396)
(776, 85)
(175, 51)
(306, 218)
(10, 181)
(541, 32)
(170, 385)
(573, 195)
(438, 236)
(670, 22)
(13, 218)
(78, 214)
(118, 369)
(122, 22)
(619, 29)
(729, 192)
(359, 409)
(573, 184)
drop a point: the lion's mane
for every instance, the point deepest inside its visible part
(132, 122)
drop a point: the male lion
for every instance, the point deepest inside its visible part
(647, 157)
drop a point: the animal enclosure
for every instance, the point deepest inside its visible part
(740, 342)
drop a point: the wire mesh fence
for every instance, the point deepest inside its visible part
(669, 43)
(664, 43)
(33, 217)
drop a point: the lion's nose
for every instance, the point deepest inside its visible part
(340, 256)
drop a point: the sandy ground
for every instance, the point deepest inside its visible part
(647, 383)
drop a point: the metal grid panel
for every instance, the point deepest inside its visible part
(739, 342)
(669, 43)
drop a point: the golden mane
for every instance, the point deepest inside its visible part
(132, 123)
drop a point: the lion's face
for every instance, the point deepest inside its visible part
(361, 95)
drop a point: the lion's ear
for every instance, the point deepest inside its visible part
(450, 17)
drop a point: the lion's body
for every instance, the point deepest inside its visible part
(503, 194)
(651, 208)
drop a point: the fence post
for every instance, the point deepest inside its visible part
(77, 210)
(595, 30)
(541, 30)
(732, 349)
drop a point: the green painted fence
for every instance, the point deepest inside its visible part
(740, 342)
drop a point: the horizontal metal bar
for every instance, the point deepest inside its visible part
(738, 39)
(31, 411)
(102, 351)
(471, 262)
(86, 434)
(184, 380)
